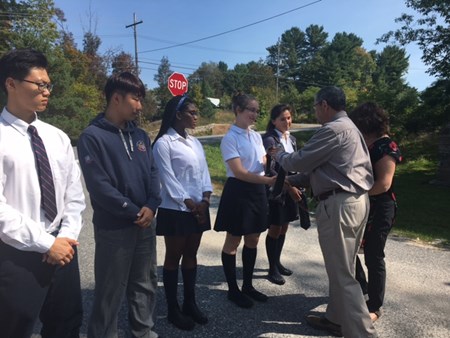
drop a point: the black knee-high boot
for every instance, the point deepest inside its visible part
(174, 314)
(234, 294)
(190, 307)
(284, 271)
(274, 275)
(248, 265)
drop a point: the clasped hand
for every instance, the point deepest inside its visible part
(199, 210)
(61, 252)
(144, 217)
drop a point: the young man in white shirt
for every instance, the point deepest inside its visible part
(39, 273)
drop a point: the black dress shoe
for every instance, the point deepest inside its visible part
(192, 310)
(241, 300)
(321, 323)
(255, 294)
(276, 278)
(284, 271)
(180, 320)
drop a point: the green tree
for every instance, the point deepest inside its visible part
(150, 105)
(247, 77)
(431, 31)
(162, 93)
(9, 12)
(346, 62)
(434, 112)
(212, 76)
(123, 62)
(207, 109)
(298, 55)
(32, 25)
(97, 65)
(284, 57)
(195, 93)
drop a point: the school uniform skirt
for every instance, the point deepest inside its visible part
(242, 208)
(178, 223)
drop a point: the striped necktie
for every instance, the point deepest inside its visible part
(48, 200)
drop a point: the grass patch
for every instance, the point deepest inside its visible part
(216, 166)
(423, 211)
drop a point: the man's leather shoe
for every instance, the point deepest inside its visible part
(321, 323)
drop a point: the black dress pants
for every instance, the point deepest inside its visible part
(381, 220)
(30, 288)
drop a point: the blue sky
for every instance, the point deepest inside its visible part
(169, 22)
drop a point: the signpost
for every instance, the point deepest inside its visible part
(177, 84)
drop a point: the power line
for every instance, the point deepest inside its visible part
(198, 47)
(231, 30)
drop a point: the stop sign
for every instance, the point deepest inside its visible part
(177, 84)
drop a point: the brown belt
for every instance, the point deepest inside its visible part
(325, 195)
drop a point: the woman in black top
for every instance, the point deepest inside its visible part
(373, 123)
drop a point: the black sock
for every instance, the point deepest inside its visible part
(248, 263)
(229, 267)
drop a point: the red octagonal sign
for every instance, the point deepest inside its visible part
(177, 84)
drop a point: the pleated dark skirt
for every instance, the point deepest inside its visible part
(242, 209)
(178, 223)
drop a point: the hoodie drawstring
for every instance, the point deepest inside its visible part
(125, 143)
(131, 141)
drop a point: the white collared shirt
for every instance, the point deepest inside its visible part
(22, 221)
(285, 141)
(246, 144)
(183, 170)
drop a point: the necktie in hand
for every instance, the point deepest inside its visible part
(48, 200)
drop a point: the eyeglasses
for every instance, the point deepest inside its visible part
(253, 110)
(315, 104)
(41, 85)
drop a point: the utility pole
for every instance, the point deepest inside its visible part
(278, 65)
(134, 24)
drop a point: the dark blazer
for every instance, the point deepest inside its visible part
(271, 139)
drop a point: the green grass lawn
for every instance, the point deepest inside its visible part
(424, 208)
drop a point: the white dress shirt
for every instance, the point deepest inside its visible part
(22, 221)
(183, 170)
(246, 144)
(285, 141)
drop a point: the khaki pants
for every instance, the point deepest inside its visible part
(341, 221)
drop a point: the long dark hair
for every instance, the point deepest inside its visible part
(275, 112)
(176, 104)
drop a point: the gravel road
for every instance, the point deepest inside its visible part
(417, 296)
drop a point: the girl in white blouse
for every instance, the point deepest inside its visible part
(183, 215)
(243, 206)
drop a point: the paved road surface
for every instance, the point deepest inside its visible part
(417, 298)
